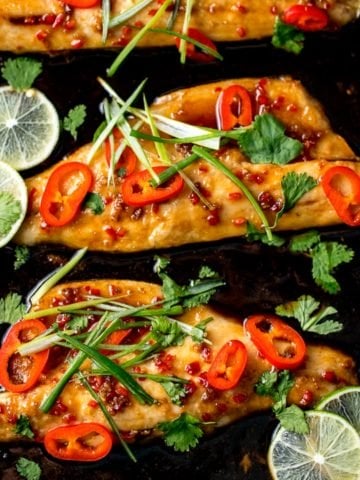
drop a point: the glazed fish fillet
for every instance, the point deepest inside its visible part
(40, 25)
(75, 404)
(184, 219)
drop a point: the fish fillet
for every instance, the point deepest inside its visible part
(76, 405)
(39, 25)
(184, 219)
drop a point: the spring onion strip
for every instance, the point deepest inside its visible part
(114, 369)
(174, 13)
(185, 28)
(106, 8)
(74, 366)
(114, 120)
(107, 416)
(175, 168)
(160, 147)
(110, 139)
(39, 291)
(160, 378)
(222, 168)
(205, 48)
(174, 141)
(41, 343)
(128, 13)
(135, 40)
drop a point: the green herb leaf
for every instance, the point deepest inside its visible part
(22, 255)
(95, 203)
(28, 469)
(166, 332)
(293, 419)
(294, 186)
(78, 322)
(304, 242)
(198, 332)
(10, 211)
(303, 309)
(23, 427)
(74, 119)
(11, 308)
(254, 235)
(176, 391)
(326, 256)
(287, 37)
(275, 384)
(21, 72)
(264, 141)
(183, 433)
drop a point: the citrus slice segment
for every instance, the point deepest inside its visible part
(344, 402)
(330, 451)
(13, 202)
(29, 127)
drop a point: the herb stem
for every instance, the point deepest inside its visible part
(202, 152)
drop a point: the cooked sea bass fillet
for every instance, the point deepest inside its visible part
(40, 25)
(189, 361)
(184, 219)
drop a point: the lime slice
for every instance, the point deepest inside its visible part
(29, 127)
(13, 202)
(344, 402)
(330, 451)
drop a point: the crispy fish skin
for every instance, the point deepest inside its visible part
(182, 220)
(221, 407)
(221, 20)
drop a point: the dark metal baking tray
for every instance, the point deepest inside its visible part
(257, 277)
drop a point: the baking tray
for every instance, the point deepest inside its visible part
(257, 277)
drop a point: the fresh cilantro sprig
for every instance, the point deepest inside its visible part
(22, 255)
(277, 384)
(74, 119)
(310, 317)
(294, 186)
(95, 203)
(11, 308)
(10, 211)
(21, 72)
(255, 235)
(28, 469)
(175, 390)
(287, 37)
(166, 332)
(326, 257)
(264, 141)
(23, 427)
(183, 433)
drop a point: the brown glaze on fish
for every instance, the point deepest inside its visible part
(324, 370)
(184, 219)
(40, 25)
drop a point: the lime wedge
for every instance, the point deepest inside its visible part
(29, 127)
(344, 402)
(13, 202)
(330, 451)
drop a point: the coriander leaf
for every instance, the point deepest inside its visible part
(293, 419)
(10, 211)
(287, 37)
(21, 72)
(94, 202)
(28, 469)
(304, 242)
(22, 255)
(276, 385)
(23, 427)
(11, 308)
(198, 332)
(78, 322)
(176, 391)
(264, 141)
(160, 264)
(74, 119)
(326, 256)
(183, 433)
(166, 332)
(207, 272)
(253, 235)
(294, 186)
(303, 308)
